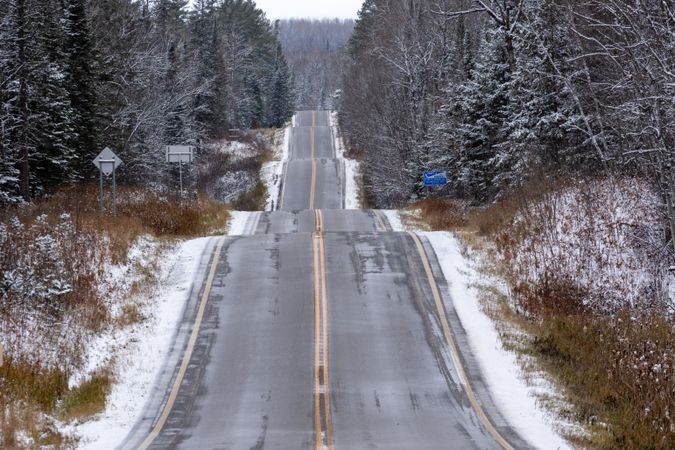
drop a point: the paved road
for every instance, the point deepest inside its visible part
(321, 329)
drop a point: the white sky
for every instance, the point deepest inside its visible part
(284, 9)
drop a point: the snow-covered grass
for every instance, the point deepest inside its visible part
(237, 150)
(516, 398)
(586, 262)
(138, 351)
(77, 287)
(515, 392)
(352, 174)
(272, 171)
(352, 167)
(603, 241)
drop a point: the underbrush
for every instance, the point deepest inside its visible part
(253, 200)
(230, 173)
(439, 213)
(586, 263)
(56, 262)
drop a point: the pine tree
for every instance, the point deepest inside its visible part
(281, 101)
(37, 129)
(203, 44)
(81, 84)
(483, 102)
(169, 16)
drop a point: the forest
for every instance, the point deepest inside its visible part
(79, 75)
(554, 121)
(314, 49)
(502, 92)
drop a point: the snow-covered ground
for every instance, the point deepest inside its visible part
(394, 219)
(272, 172)
(243, 223)
(515, 397)
(352, 167)
(237, 150)
(139, 350)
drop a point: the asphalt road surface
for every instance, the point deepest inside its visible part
(321, 329)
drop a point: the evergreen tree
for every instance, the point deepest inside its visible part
(78, 50)
(483, 102)
(281, 99)
(37, 129)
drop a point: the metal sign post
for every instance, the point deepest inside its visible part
(107, 163)
(179, 154)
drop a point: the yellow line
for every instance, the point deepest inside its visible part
(317, 326)
(188, 352)
(323, 438)
(326, 371)
(313, 118)
(454, 353)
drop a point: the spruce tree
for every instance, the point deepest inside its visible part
(79, 54)
(483, 102)
(281, 100)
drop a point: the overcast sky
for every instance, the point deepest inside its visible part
(283, 9)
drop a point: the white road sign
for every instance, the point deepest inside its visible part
(107, 161)
(179, 153)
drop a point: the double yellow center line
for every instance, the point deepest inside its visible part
(323, 429)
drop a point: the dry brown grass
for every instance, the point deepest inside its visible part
(87, 399)
(253, 200)
(53, 259)
(613, 363)
(440, 213)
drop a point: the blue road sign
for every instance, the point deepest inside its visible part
(435, 178)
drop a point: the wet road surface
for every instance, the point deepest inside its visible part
(319, 330)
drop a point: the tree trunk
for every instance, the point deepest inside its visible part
(24, 165)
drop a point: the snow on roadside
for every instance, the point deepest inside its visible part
(352, 172)
(394, 219)
(139, 351)
(513, 395)
(515, 398)
(242, 223)
(272, 172)
(352, 167)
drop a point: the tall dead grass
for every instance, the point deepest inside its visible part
(586, 261)
(54, 258)
(587, 266)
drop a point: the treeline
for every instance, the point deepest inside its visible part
(314, 50)
(78, 75)
(501, 92)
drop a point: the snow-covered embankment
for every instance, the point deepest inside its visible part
(515, 397)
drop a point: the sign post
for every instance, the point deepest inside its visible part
(107, 163)
(435, 178)
(180, 154)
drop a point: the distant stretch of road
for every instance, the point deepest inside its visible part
(321, 329)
